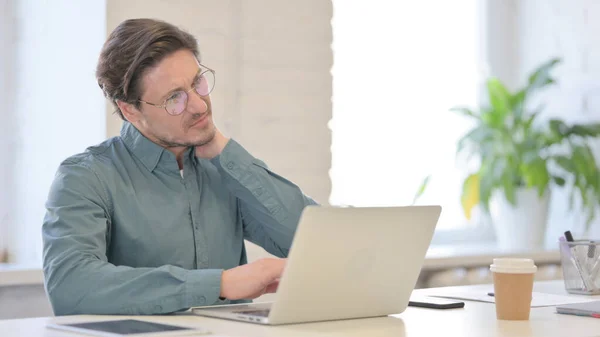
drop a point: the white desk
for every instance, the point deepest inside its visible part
(476, 319)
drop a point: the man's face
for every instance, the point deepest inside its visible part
(194, 126)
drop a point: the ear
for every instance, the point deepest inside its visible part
(130, 112)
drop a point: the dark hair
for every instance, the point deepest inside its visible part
(132, 48)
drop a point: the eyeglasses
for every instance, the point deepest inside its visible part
(177, 101)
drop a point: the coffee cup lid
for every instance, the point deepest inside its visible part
(513, 266)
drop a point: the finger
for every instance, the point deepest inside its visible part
(258, 293)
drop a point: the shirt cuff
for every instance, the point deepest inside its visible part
(203, 287)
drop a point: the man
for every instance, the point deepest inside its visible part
(154, 221)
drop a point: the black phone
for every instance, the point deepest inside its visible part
(435, 303)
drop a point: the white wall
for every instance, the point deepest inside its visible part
(273, 81)
(273, 95)
(567, 29)
(273, 90)
(56, 108)
(500, 40)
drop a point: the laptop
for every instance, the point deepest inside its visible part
(345, 263)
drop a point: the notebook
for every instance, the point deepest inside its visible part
(591, 309)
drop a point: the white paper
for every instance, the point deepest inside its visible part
(538, 299)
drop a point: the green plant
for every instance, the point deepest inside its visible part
(519, 150)
(421, 189)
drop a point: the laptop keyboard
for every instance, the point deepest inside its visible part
(260, 313)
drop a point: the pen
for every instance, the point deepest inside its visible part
(587, 283)
(569, 236)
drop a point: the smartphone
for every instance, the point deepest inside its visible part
(435, 303)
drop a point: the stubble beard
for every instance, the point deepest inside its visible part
(208, 134)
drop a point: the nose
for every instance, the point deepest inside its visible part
(196, 104)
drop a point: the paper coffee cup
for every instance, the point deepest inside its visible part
(513, 286)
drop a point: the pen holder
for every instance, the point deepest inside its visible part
(581, 266)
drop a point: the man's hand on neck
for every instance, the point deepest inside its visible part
(213, 148)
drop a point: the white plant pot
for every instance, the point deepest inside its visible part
(522, 226)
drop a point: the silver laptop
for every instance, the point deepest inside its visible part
(345, 263)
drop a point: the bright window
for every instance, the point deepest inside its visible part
(398, 67)
(52, 107)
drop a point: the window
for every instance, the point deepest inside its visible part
(6, 127)
(52, 107)
(398, 68)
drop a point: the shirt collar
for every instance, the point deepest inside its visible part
(151, 154)
(144, 149)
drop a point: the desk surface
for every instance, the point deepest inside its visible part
(476, 319)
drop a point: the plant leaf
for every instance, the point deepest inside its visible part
(559, 181)
(421, 189)
(556, 133)
(470, 194)
(586, 179)
(500, 99)
(529, 121)
(592, 130)
(541, 76)
(509, 189)
(565, 163)
(584, 164)
(582, 192)
(558, 127)
(465, 111)
(517, 103)
(487, 180)
(591, 216)
(536, 174)
(477, 136)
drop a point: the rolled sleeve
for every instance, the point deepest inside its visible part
(270, 204)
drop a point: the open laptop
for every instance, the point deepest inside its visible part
(345, 263)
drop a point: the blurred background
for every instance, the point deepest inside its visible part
(349, 99)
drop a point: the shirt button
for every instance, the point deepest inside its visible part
(201, 299)
(204, 258)
(258, 191)
(230, 165)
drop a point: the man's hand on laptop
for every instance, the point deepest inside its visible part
(252, 280)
